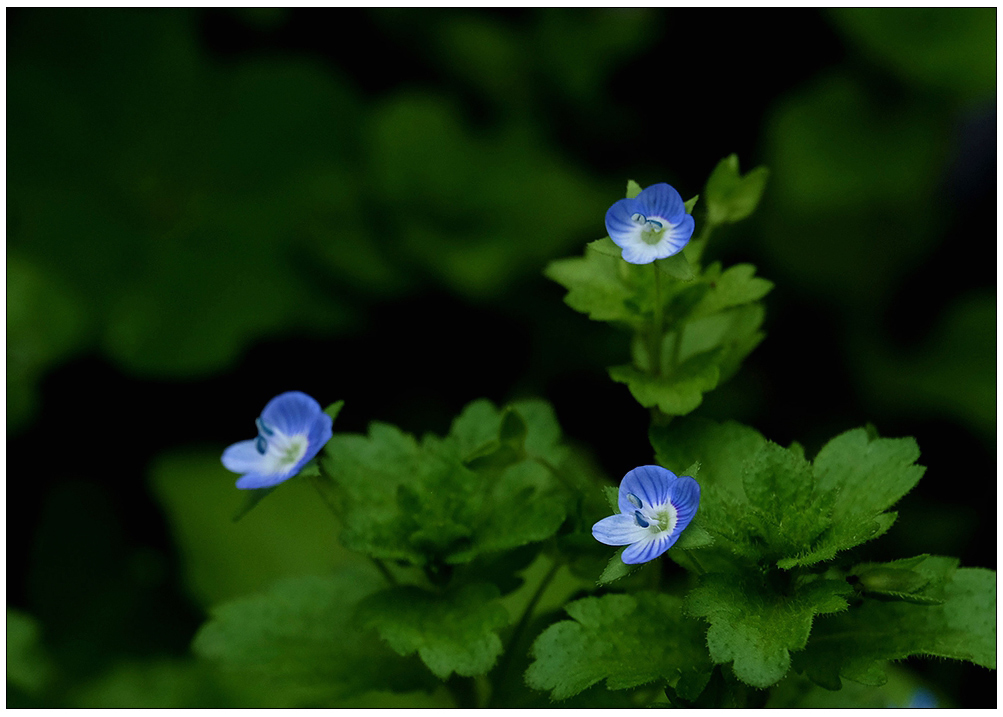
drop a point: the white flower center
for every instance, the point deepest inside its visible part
(652, 228)
(657, 519)
(281, 451)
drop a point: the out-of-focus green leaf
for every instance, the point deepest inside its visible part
(952, 374)
(456, 218)
(730, 196)
(155, 684)
(951, 50)
(303, 640)
(291, 533)
(28, 666)
(45, 323)
(852, 178)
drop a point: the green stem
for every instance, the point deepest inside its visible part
(676, 345)
(655, 358)
(503, 664)
(696, 563)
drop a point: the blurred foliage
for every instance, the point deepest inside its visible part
(289, 534)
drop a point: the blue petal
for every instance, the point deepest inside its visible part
(661, 200)
(262, 480)
(685, 498)
(648, 549)
(619, 530)
(243, 457)
(292, 412)
(619, 224)
(649, 483)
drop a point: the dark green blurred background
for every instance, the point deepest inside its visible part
(208, 207)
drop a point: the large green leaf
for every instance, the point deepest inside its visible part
(628, 640)
(756, 626)
(452, 632)
(856, 645)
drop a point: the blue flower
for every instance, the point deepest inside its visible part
(291, 430)
(652, 225)
(655, 507)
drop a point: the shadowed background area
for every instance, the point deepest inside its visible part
(209, 207)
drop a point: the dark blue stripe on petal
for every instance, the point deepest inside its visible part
(685, 499)
(291, 412)
(661, 200)
(645, 550)
(649, 483)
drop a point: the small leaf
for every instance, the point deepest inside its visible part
(694, 537)
(334, 409)
(677, 267)
(731, 197)
(691, 203)
(615, 569)
(612, 494)
(604, 246)
(633, 189)
(676, 394)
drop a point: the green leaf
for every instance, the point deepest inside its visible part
(596, 284)
(628, 640)
(731, 197)
(301, 638)
(735, 286)
(764, 502)
(691, 203)
(676, 394)
(334, 409)
(452, 632)
(756, 626)
(866, 476)
(677, 267)
(605, 246)
(633, 189)
(612, 494)
(291, 533)
(912, 579)
(616, 568)
(787, 511)
(855, 645)
(694, 537)
(485, 487)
